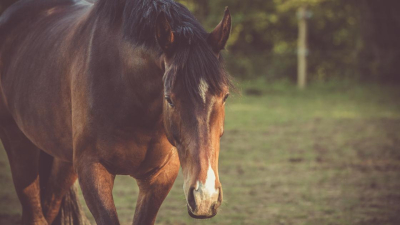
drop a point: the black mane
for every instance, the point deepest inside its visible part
(140, 20)
(192, 60)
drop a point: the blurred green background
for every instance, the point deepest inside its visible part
(348, 40)
(329, 154)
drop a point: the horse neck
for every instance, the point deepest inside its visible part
(124, 80)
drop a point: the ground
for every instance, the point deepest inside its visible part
(326, 155)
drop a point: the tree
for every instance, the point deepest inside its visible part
(380, 29)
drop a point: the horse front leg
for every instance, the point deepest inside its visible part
(23, 156)
(153, 190)
(97, 184)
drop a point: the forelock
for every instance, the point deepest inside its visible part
(198, 69)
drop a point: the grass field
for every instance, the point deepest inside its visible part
(326, 155)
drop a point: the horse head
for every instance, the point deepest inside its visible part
(195, 89)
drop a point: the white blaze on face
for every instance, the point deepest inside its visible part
(206, 194)
(210, 181)
(203, 88)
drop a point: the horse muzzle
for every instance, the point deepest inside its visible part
(203, 202)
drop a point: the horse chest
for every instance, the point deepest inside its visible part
(134, 155)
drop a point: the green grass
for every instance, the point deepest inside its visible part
(327, 155)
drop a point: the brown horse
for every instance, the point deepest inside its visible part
(131, 87)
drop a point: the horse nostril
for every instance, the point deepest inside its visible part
(191, 200)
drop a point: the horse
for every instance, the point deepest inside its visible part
(114, 87)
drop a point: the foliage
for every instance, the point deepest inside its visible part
(264, 37)
(347, 39)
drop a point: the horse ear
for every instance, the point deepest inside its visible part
(219, 36)
(164, 34)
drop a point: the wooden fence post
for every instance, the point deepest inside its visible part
(302, 48)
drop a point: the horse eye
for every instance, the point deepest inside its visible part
(169, 101)
(226, 97)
